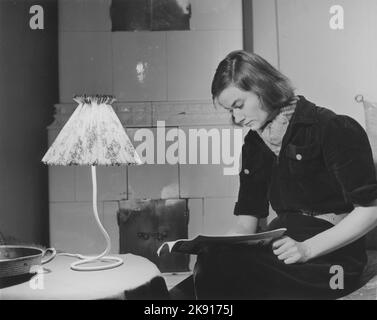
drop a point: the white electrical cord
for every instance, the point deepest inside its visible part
(115, 261)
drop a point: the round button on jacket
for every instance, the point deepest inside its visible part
(298, 156)
(246, 171)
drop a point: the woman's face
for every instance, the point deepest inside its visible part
(245, 107)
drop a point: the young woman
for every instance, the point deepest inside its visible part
(314, 168)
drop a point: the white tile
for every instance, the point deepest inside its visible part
(216, 14)
(227, 41)
(136, 114)
(84, 15)
(61, 183)
(211, 179)
(192, 59)
(111, 183)
(218, 215)
(73, 228)
(84, 64)
(206, 181)
(139, 64)
(110, 222)
(152, 180)
(83, 184)
(185, 113)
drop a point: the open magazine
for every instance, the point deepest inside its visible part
(193, 246)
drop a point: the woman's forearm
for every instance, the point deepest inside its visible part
(352, 227)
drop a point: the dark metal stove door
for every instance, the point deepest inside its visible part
(145, 224)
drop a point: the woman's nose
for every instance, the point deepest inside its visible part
(238, 116)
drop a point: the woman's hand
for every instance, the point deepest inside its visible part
(291, 251)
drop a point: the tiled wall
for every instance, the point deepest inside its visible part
(154, 76)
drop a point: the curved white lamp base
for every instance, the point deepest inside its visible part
(114, 262)
(109, 262)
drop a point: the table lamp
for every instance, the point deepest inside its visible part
(93, 136)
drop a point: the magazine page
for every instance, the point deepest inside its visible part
(192, 246)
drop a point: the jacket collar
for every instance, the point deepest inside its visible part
(305, 112)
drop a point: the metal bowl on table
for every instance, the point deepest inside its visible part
(18, 260)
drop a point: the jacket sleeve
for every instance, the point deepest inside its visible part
(253, 190)
(348, 155)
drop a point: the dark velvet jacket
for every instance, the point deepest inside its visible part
(325, 165)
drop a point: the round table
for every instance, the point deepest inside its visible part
(136, 278)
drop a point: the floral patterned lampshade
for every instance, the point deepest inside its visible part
(93, 135)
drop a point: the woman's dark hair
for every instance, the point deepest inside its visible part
(250, 72)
